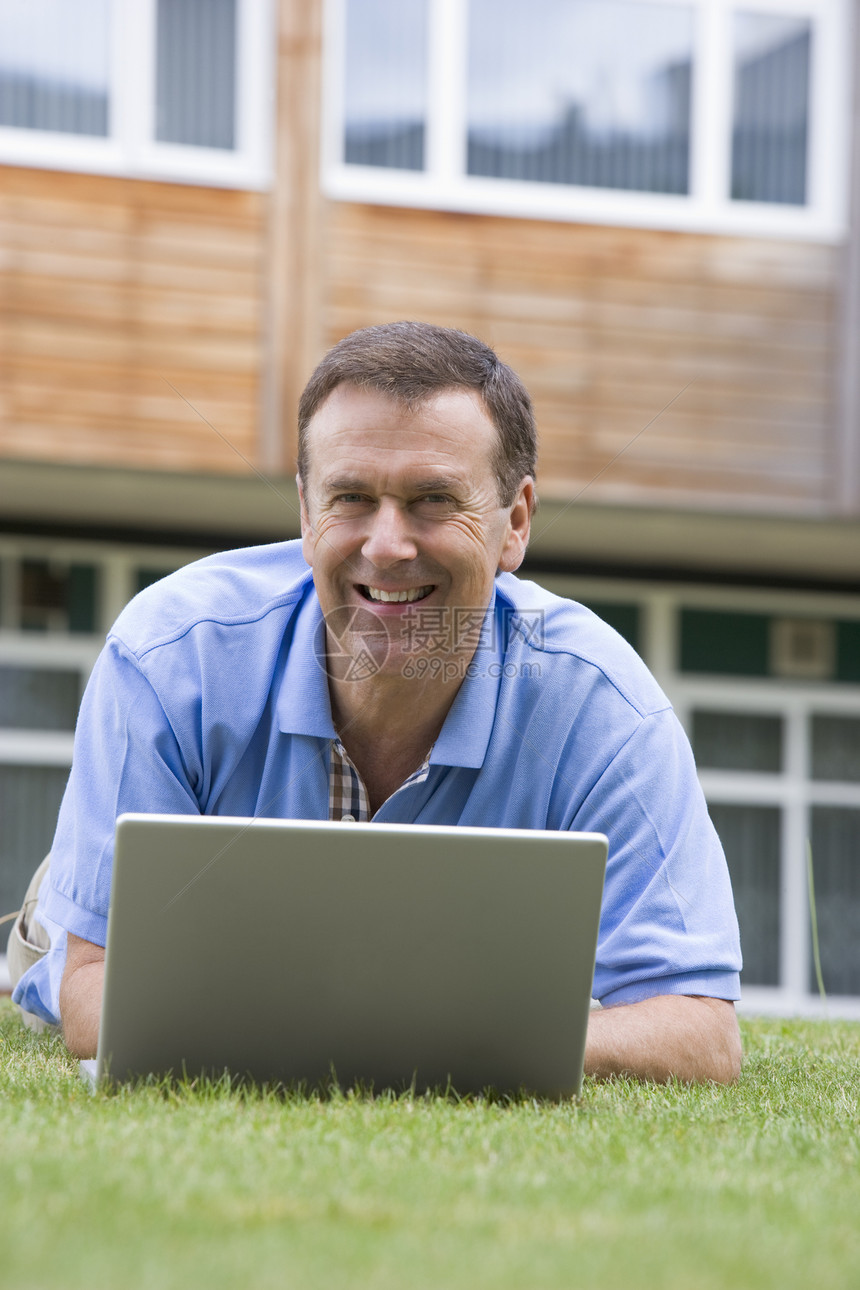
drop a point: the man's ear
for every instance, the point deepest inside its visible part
(519, 527)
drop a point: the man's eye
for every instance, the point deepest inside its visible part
(436, 499)
(350, 498)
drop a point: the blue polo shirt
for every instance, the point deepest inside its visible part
(209, 698)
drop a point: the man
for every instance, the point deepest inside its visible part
(390, 667)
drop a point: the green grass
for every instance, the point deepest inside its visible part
(634, 1186)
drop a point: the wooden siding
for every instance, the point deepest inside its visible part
(112, 292)
(665, 367)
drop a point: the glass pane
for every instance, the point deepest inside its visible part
(43, 596)
(30, 798)
(592, 92)
(385, 83)
(737, 741)
(771, 108)
(836, 748)
(751, 839)
(54, 597)
(195, 96)
(836, 866)
(54, 72)
(33, 698)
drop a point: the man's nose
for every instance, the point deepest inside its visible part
(389, 539)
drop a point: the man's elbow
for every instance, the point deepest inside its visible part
(81, 996)
(725, 1047)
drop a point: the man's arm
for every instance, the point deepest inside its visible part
(690, 1038)
(81, 996)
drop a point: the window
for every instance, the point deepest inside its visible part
(751, 840)
(779, 760)
(770, 107)
(701, 114)
(555, 97)
(777, 747)
(835, 847)
(797, 803)
(56, 602)
(385, 85)
(175, 89)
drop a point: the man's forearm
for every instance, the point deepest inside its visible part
(669, 1036)
(81, 997)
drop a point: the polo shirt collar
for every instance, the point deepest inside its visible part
(465, 735)
(304, 707)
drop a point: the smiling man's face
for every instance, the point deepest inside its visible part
(401, 514)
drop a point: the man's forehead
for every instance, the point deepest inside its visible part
(451, 422)
(348, 401)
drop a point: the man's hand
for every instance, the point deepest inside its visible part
(81, 996)
(690, 1038)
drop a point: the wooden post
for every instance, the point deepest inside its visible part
(294, 269)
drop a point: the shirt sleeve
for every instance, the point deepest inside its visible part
(126, 758)
(668, 924)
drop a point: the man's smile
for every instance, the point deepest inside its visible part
(408, 595)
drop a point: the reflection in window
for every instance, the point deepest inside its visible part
(36, 698)
(771, 108)
(556, 95)
(737, 741)
(195, 100)
(836, 866)
(836, 748)
(751, 840)
(54, 65)
(385, 89)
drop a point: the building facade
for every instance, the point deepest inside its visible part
(649, 207)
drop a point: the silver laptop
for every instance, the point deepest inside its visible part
(379, 955)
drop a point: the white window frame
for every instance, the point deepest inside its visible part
(708, 208)
(130, 148)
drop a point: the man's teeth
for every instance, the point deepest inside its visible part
(414, 593)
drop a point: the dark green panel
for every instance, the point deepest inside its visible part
(146, 577)
(83, 597)
(623, 617)
(725, 644)
(848, 651)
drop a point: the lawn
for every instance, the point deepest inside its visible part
(634, 1185)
